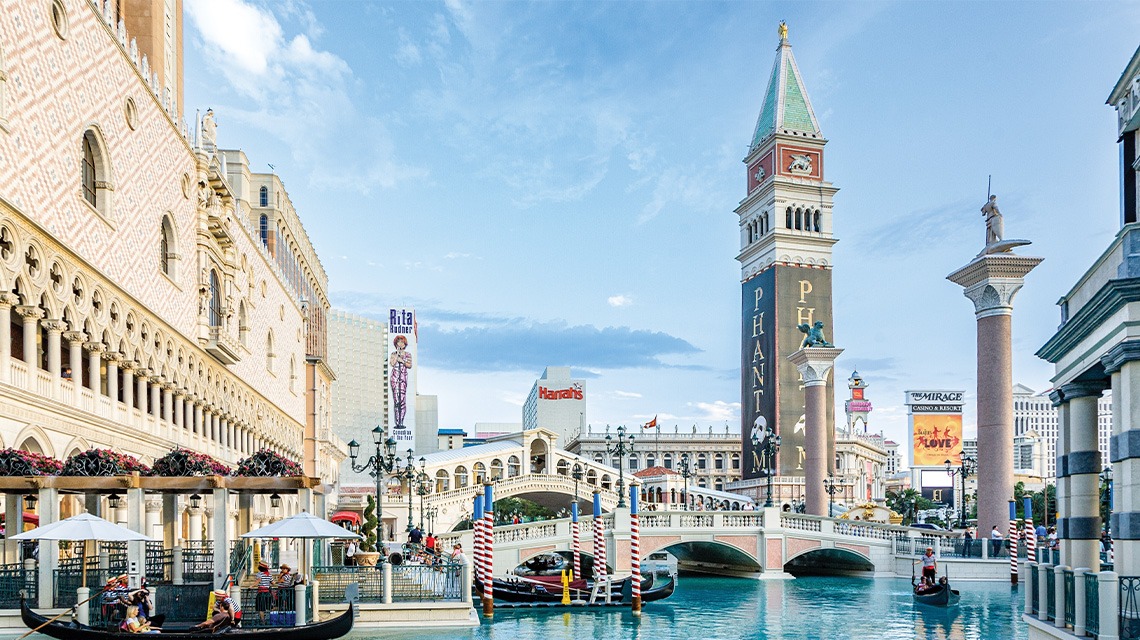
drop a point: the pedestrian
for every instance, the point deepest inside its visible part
(457, 554)
(415, 536)
(286, 577)
(969, 538)
(995, 542)
(264, 602)
(350, 550)
(429, 542)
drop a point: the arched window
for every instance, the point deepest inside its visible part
(442, 482)
(563, 468)
(718, 462)
(292, 373)
(799, 218)
(215, 299)
(702, 461)
(788, 218)
(460, 477)
(599, 458)
(496, 469)
(816, 218)
(96, 173)
(650, 460)
(243, 323)
(667, 460)
(264, 202)
(634, 462)
(736, 462)
(166, 244)
(514, 467)
(269, 350)
(263, 228)
(592, 477)
(480, 471)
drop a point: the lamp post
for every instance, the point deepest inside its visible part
(771, 450)
(1106, 476)
(576, 473)
(686, 473)
(621, 448)
(410, 474)
(829, 485)
(422, 490)
(430, 515)
(964, 471)
(378, 465)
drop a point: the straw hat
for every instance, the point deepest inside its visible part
(286, 567)
(221, 593)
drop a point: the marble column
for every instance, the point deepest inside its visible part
(75, 340)
(153, 526)
(1123, 364)
(53, 329)
(31, 316)
(142, 376)
(113, 360)
(1081, 466)
(179, 403)
(168, 404)
(7, 301)
(991, 281)
(128, 368)
(814, 364)
(195, 525)
(155, 384)
(198, 406)
(94, 364)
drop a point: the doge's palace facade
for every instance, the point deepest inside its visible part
(142, 307)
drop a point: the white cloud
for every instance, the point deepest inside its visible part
(627, 394)
(246, 35)
(719, 410)
(620, 300)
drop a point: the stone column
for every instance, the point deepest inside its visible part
(7, 300)
(53, 329)
(219, 530)
(814, 363)
(94, 364)
(135, 521)
(1062, 450)
(171, 523)
(14, 513)
(153, 520)
(1123, 364)
(178, 403)
(991, 281)
(48, 507)
(1081, 464)
(141, 378)
(31, 316)
(155, 383)
(168, 404)
(75, 340)
(113, 360)
(198, 408)
(195, 532)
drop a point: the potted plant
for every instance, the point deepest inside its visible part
(368, 555)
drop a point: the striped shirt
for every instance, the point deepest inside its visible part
(286, 579)
(264, 581)
(231, 604)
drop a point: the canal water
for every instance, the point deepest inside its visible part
(829, 608)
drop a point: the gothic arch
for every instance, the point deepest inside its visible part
(77, 443)
(103, 178)
(34, 435)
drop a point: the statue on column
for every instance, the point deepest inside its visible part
(995, 227)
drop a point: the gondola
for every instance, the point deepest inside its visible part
(525, 591)
(941, 595)
(68, 630)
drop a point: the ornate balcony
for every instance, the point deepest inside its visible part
(223, 347)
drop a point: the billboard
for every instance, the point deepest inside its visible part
(937, 438)
(402, 336)
(937, 486)
(774, 304)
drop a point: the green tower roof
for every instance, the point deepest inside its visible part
(786, 103)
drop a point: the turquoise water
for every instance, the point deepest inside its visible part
(802, 609)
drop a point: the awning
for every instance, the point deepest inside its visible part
(346, 516)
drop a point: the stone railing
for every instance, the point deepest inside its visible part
(528, 531)
(800, 522)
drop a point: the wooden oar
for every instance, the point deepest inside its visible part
(72, 609)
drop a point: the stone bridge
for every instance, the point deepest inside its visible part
(766, 543)
(554, 491)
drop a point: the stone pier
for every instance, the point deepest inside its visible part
(814, 364)
(991, 281)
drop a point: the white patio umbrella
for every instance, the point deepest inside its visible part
(303, 525)
(85, 527)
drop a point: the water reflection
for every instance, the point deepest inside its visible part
(738, 609)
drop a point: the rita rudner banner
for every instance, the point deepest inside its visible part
(402, 365)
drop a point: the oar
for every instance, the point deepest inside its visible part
(72, 609)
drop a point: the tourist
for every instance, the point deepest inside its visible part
(264, 602)
(969, 541)
(457, 554)
(228, 606)
(429, 542)
(219, 620)
(134, 624)
(929, 565)
(995, 542)
(350, 550)
(66, 373)
(415, 536)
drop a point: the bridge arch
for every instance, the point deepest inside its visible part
(829, 561)
(706, 556)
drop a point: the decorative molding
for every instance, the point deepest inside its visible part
(814, 363)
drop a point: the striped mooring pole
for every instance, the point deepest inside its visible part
(599, 541)
(477, 529)
(488, 550)
(1030, 531)
(1013, 542)
(634, 549)
(576, 540)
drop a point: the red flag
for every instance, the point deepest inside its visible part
(649, 425)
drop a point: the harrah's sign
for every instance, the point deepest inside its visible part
(574, 392)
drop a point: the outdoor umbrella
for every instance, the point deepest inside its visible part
(302, 525)
(84, 526)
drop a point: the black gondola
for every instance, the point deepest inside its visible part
(68, 630)
(940, 595)
(525, 591)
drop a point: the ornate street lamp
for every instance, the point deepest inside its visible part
(967, 468)
(622, 448)
(378, 465)
(422, 490)
(576, 473)
(770, 450)
(829, 485)
(1106, 476)
(410, 474)
(430, 515)
(686, 473)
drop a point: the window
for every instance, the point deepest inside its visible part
(702, 462)
(3, 89)
(263, 228)
(736, 462)
(718, 462)
(243, 324)
(166, 244)
(95, 173)
(269, 350)
(215, 299)
(264, 198)
(59, 19)
(89, 169)
(788, 218)
(292, 373)
(818, 226)
(668, 459)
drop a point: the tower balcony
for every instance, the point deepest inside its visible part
(222, 346)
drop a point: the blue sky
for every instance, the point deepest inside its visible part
(554, 183)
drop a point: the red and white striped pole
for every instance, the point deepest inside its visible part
(634, 549)
(1013, 542)
(577, 541)
(1030, 531)
(477, 529)
(599, 542)
(488, 550)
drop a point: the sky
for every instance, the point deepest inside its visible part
(553, 183)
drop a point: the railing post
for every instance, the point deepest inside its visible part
(386, 578)
(299, 604)
(1043, 591)
(1080, 616)
(83, 611)
(1109, 584)
(465, 581)
(1059, 595)
(1026, 569)
(316, 600)
(176, 565)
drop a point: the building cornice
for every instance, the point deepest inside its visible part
(1111, 297)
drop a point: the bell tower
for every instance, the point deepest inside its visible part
(785, 260)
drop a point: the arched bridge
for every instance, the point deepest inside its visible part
(553, 491)
(766, 543)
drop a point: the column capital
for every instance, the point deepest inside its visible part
(992, 280)
(75, 336)
(53, 326)
(153, 506)
(9, 299)
(1074, 390)
(114, 357)
(141, 372)
(1119, 354)
(128, 366)
(94, 347)
(29, 312)
(156, 380)
(208, 511)
(814, 363)
(169, 387)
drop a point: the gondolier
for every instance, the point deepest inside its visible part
(929, 565)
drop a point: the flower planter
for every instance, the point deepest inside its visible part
(366, 558)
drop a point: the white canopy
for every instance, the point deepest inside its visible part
(302, 525)
(84, 526)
